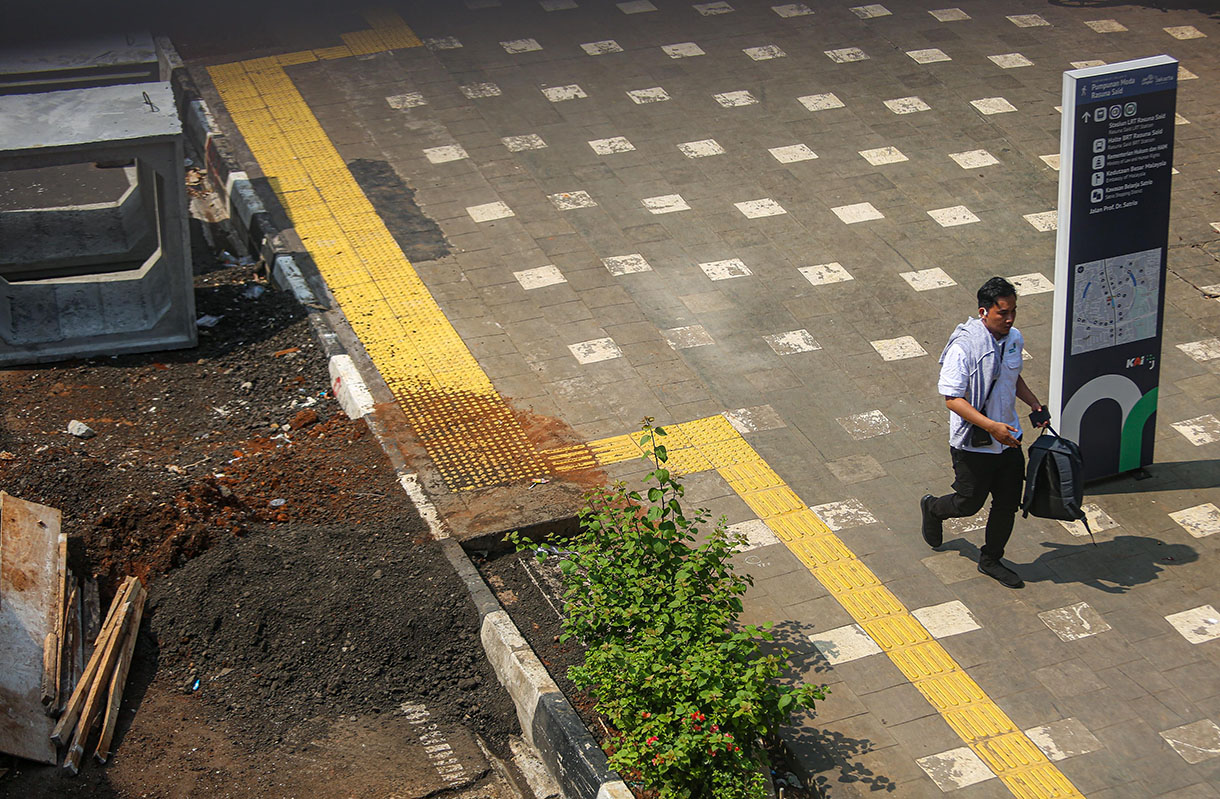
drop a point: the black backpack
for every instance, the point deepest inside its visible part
(1053, 485)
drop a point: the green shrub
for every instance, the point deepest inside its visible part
(686, 688)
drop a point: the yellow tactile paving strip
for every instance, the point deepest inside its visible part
(470, 433)
(981, 724)
(474, 438)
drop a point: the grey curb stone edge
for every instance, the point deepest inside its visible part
(548, 721)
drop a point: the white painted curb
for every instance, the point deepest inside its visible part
(519, 669)
(349, 388)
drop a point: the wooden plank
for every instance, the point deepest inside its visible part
(119, 680)
(72, 663)
(72, 710)
(94, 702)
(91, 615)
(28, 575)
(52, 653)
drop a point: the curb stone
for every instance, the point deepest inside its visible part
(548, 721)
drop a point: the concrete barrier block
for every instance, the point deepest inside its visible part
(349, 388)
(517, 668)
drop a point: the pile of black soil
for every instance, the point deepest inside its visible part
(291, 626)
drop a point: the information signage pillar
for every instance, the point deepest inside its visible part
(1116, 159)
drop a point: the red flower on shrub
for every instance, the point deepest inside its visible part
(652, 740)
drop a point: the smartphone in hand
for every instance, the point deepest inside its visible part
(1040, 417)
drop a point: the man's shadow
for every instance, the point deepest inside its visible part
(1114, 565)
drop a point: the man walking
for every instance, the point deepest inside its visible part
(980, 379)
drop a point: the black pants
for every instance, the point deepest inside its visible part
(977, 474)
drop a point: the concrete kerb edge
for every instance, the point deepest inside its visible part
(548, 721)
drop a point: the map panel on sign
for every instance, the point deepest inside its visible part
(1115, 300)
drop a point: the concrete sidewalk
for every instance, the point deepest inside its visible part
(770, 217)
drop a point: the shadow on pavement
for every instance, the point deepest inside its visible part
(1202, 6)
(825, 758)
(1114, 566)
(1171, 476)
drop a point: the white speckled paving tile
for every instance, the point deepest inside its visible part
(755, 532)
(949, 15)
(735, 99)
(1197, 625)
(946, 619)
(539, 277)
(898, 349)
(615, 144)
(1062, 739)
(928, 279)
(701, 149)
(520, 46)
(571, 200)
(665, 204)
(844, 515)
(756, 209)
(789, 10)
(824, 274)
(1092, 62)
(993, 105)
(906, 105)
(955, 769)
(869, 424)
(753, 419)
(1051, 160)
(857, 212)
(792, 342)
(846, 55)
(442, 43)
(409, 100)
(1178, 119)
(682, 338)
(792, 153)
(1207, 349)
(1200, 430)
(1043, 221)
(713, 9)
(872, 11)
(1097, 518)
(1195, 742)
(1033, 283)
(656, 94)
(820, 102)
(445, 153)
(604, 47)
(636, 7)
(1186, 74)
(1106, 25)
(682, 50)
(476, 91)
(765, 53)
(1199, 521)
(953, 216)
(595, 350)
(974, 159)
(931, 55)
(1028, 21)
(1010, 60)
(726, 269)
(619, 265)
(559, 94)
(883, 155)
(529, 141)
(844, 644)
(1184, 32)
(1073, 622)
(489, 212)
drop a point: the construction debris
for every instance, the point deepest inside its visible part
(81, 671)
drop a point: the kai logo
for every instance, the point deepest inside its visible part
(1146, 361)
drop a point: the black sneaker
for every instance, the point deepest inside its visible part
(933, 529)
(1000, 573)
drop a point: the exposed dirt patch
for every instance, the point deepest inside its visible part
(290, 575)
